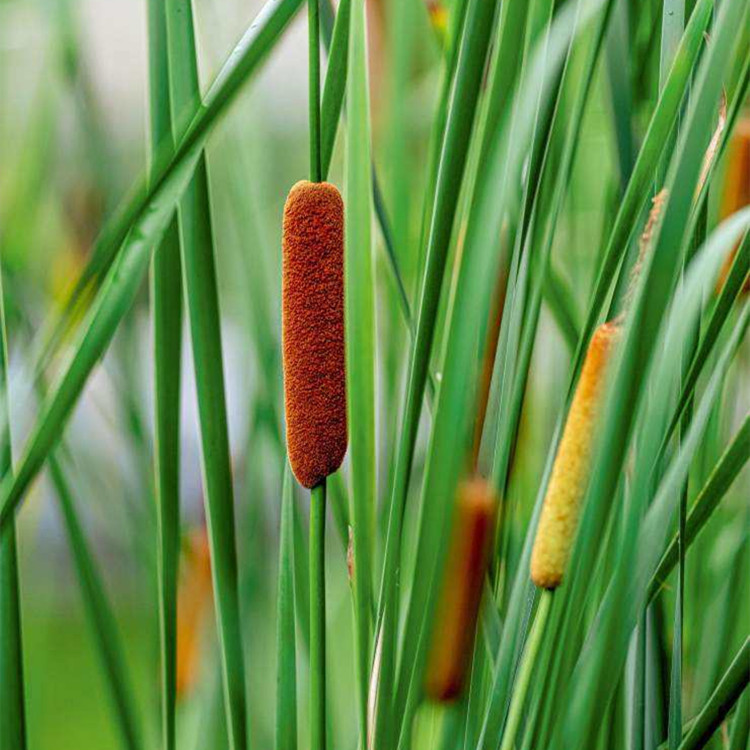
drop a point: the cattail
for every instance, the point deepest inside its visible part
(194, 604)
(313, 330)
(736, 189)
(456, 615)
(570, 472)
(438, 15)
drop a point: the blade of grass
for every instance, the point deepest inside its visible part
(726, 694)
(728, 295)
(286, 658)
(725, 472)
(12, 698)
(673, 23)
(562, 306)
(166, 293)
(99, 613)
(335, 83)
(619, 73)
(360, 348)
(202, 296)
(437, 132)
(741, 724)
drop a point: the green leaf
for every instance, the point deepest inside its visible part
(360, 347)
(741, 724)
(202, 297)
(166, 299)
(99, 612)
(673, 23)
(723, 475)
(729, 293)
(726, 694)
(335, 84)
(12, 699)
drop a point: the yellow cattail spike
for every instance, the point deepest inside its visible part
(570, 472)
(736, 193)
(456, 615)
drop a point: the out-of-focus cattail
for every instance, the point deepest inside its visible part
(313, 330)
(456, 615)
(736, 189)
(570, 472)
(438, 15)
(193, 606)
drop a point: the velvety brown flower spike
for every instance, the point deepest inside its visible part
(313, 330)
(465, 567)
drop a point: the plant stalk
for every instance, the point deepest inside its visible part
(317, 617)
(313, 27)
(527, 667)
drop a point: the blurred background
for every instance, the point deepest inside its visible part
(73, 124)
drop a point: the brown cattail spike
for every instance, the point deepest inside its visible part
(570, 472)
(312, 313)
(456, 615)
(736, 189)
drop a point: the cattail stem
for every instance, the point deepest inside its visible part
(317, 617)
(313, 27)
(528, 662)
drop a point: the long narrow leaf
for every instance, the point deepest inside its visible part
(726, 471)
(202, 297)
(12, 699)
(729, 689)
(166, 294)
(360, 346)
(99, 612)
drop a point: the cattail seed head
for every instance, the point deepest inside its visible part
(737, 181)
(312, 312)
(736, 193)
(570, 472)
(456, 614)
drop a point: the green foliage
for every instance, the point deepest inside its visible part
(509, 170)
